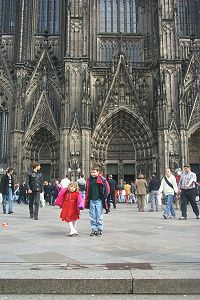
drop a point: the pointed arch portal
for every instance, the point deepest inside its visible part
(122, 145)
(43, 146)
(194, 152)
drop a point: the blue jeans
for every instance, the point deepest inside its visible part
(96, 214)
(169, 210)
(8, 197)
(154, 200)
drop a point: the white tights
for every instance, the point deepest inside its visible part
(72, 226)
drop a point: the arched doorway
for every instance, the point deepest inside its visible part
(121, 157)
(194, 152)
(122, 145)
(43, 145)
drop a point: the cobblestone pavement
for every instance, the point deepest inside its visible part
(131, 240)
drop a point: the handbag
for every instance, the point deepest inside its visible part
(42, 200)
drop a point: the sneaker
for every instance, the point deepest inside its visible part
(9, 212)
(197, 217)
(36, 218)
(31, 216)
(99, 232)
(165, 216)
(93, 233)
(183, 218)
(107, 211)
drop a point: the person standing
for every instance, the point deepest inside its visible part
(141, 191)
(7, 190)
(111, 197)
(188, 189)
(96, 200)
(65, 182)
(81, 185)
(169, 188)
(154, 185)
(23, 192)
(55, 191)
(72, 203)
(34, 184)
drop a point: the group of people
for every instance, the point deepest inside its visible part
(96, 192)
(182, 188)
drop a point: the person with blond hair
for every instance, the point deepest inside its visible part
(71, 203)
(141, 191)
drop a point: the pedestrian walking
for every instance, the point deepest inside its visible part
(188, 187)
(7, 190)
(111, 197)
(96, 199)
(169, 188)
(154, 185)
(71, 202)
(141, 191)
(34, 184)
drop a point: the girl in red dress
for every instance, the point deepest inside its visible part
(72, 203)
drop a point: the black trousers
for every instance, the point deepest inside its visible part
(189, 196)
(34, 202)
(111, 197)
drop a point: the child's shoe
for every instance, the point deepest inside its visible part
(93, 233)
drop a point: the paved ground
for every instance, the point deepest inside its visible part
(99, 297)
(143, 243)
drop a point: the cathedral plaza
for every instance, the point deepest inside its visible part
(139, 253)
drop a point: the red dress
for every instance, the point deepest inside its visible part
(69, 210)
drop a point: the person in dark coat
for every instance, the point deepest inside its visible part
(154, 185)
(111, 197)
(35, 186)
(23, 193)
(7, 190)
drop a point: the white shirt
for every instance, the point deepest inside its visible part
(166, 189)
(65, 182)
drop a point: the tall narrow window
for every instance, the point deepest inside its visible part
(6, 16)
(48, 16)
(189, 18)
(118, 16)
(3, 130)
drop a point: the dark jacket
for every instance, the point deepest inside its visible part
(112, 184)
(103, 190)
(5, 183)
(154, 184)
(34, 182)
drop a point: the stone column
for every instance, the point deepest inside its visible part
(86, 151)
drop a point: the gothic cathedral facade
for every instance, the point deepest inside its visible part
(111, 82)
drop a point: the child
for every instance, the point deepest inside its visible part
(96, 200)
(72, 203)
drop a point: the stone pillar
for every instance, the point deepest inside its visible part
(86, 151)
(64, 151)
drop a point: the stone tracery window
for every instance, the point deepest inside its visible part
(3, 129)
(118, 16)
(6, 16)
(189, 17)
(48, 16)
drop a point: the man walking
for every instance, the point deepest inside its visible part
(154, 185)
(35, 187)
(169, 188)
(7, 190)
(188, 188)
(111, 197)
